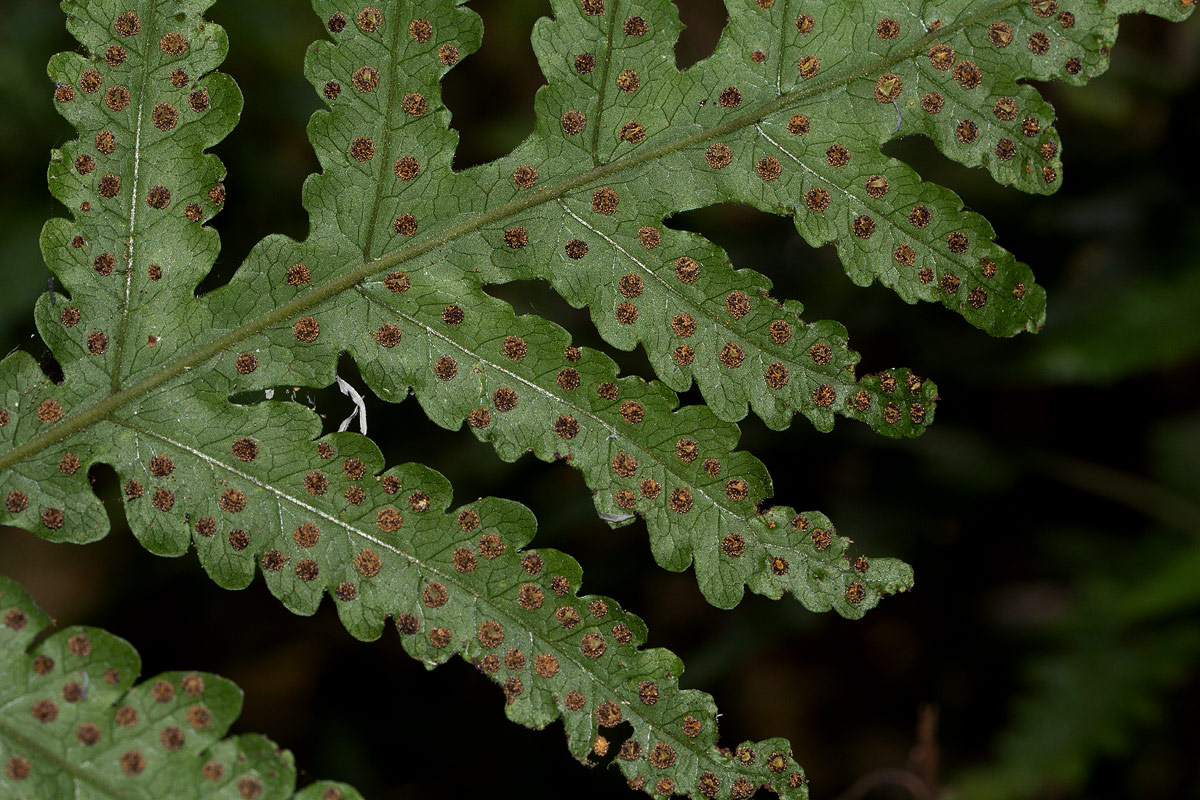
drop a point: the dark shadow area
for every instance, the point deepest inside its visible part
(536, 297)
(607, 745)
(26, 97)
(491, 91)
(703, 22)
(268, 155)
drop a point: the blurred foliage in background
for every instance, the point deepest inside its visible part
(1052, 513)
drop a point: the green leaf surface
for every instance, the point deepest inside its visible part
(787, 116)
(169, 115)
(468, 357)
(320, 516)
(518, 382)
(703, 501)
(254, 487)
(386, 153)
(74, 724)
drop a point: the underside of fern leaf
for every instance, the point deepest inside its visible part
(788, 115)
(74, 724)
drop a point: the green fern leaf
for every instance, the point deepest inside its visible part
(74, 724)
(252, 487)
(517, 381)
(386, 152)
(788, 116)
(675, 469)
(702, 500)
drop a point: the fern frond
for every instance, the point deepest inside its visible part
(277, 330)
(252, 487)
(788, 116)
(701, 499)
(670, 290)
(74, 724)
(321, 519)
(674, 292)
(517, 381)
(320, 516)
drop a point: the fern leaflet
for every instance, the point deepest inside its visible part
(74, 724)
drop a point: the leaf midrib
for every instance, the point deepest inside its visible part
(122, 334)
(388, 129)
(101, 410)
(603, 87)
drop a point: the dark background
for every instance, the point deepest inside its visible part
(1050, 513)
